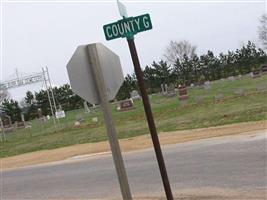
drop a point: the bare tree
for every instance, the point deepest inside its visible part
(177, 50)
(263, 31)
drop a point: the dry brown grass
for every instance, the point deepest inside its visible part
(135, 143)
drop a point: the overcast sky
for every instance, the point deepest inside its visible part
(39, 34)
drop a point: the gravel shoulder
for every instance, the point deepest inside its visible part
(130, 144)
(212, 194)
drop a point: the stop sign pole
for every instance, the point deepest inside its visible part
(111, 131)
(95, 75)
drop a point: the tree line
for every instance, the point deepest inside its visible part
(64, 97)
(182, 66)
(189, 68)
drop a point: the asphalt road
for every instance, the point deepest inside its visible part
(236, 163)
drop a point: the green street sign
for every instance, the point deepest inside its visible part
(127, 27)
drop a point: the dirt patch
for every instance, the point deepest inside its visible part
(129, 144)
(209, 193)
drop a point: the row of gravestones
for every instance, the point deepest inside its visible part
(7, 126)
(258, 72)
(128, 104)
(238, 93)
(170, 91)
(120, 106)
(182, 90)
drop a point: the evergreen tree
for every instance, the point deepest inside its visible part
(11, 108)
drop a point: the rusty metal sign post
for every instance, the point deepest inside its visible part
(128, 27)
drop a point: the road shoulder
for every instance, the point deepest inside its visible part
(129, 144)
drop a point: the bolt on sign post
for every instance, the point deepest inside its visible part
(95, 74)
(128, 27)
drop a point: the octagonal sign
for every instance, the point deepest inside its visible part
(81, 74)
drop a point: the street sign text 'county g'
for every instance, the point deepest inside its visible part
(82, 78)
(127, 27)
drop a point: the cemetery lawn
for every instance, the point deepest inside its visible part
(200, 111)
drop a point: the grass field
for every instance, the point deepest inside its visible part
(169, 113)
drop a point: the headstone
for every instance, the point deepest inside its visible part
(182, 93)
(20, 125)
(255, 73)
(118, 108)
(264, 69)
(94, 119)
(7, 123)
(218, 97)
(135, 95)
(6, 120)
(126, 105)
(240, 92)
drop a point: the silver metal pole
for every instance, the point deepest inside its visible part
(50, 104)
(111, 131)
(53, 97)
